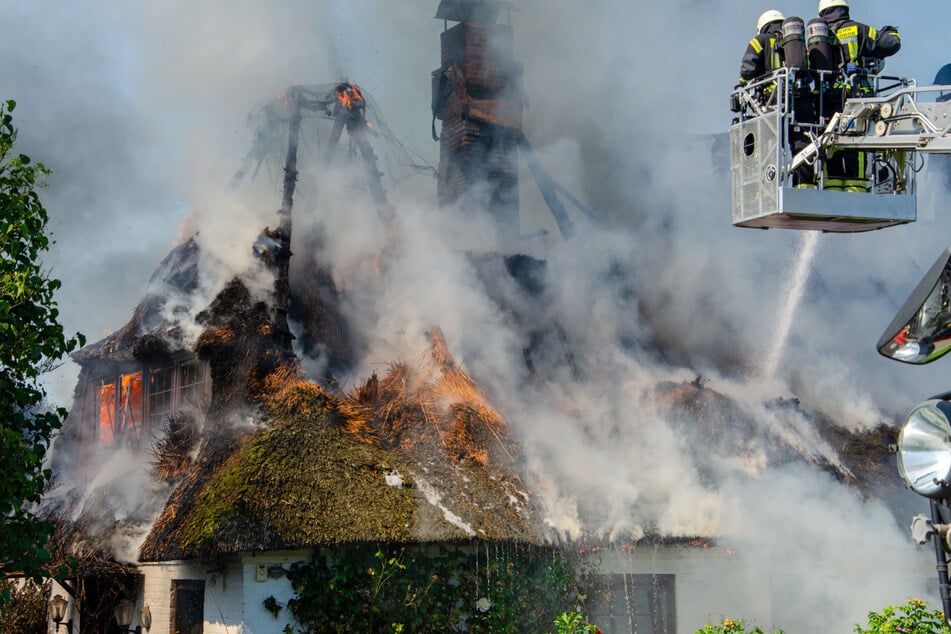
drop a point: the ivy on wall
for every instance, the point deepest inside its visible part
(484, 588)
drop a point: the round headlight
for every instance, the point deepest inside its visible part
(924, 449)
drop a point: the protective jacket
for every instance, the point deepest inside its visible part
(858, 41)
(762, 53)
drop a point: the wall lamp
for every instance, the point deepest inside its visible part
(123, 613)
(58, 606)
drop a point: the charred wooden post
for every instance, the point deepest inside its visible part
(358, 131)
(547, 187)
(282, 255)
(340, 121)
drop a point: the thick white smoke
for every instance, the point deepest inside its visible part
(141, 111)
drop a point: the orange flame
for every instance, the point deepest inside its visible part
(349, 95)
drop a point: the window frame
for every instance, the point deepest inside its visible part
(177, 397)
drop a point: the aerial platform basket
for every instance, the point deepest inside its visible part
(890, 128)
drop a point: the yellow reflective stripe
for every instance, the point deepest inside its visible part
(872, 33)
(756, 46)
(775, 61)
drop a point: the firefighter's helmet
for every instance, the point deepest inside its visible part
(768, 17)
(828, 4)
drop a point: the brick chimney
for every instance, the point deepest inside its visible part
(477, 93)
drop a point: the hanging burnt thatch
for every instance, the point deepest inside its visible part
(80, 548)
(174, 447)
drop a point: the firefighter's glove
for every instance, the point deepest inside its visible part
(851, 68)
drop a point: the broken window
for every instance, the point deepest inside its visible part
(133, 405)
(634, 604)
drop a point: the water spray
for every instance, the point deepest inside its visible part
(794, 290)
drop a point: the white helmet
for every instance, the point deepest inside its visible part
(769, 16)
(828, 4)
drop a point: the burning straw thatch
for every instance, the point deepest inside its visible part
(417, 456)
(437, 391)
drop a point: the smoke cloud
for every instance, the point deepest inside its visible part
(142, 111)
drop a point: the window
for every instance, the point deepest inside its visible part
(161, 391)
(634, 604)
(188, 606)
(120, 415)
(135, 404)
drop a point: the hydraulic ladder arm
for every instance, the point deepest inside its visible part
(896, 122)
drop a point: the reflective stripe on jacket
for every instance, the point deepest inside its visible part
(762, 56)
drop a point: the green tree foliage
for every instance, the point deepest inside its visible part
(913, 617)
(31, 340)
(27, 609)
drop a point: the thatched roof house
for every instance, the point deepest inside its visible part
(198, 470)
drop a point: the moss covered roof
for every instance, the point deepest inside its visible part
(311, 477)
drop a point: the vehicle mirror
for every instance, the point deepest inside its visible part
(921, 331)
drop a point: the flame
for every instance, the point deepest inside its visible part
(112, 422)
(349, 95)
(107, 408)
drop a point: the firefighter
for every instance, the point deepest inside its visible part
(762, 53)
(780, 42)
(861, 47)
(859, 43)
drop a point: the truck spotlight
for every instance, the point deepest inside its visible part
(924, 449)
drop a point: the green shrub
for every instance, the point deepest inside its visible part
(731, 627)
(913, 617)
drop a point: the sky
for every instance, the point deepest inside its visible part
(141, 109)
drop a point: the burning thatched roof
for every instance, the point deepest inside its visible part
(148, 330)
(412, 457)
(863, 459)
(416, 454)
